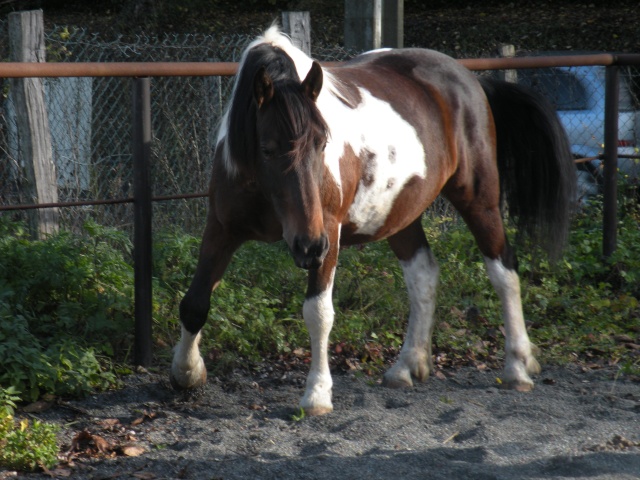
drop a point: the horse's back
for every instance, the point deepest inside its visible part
(428, 88)
(419, 64)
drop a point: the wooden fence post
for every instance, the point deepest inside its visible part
(26, 43)
(393, 23)
(363, 24)
(507, 51)
(298, 26)
(371, 24)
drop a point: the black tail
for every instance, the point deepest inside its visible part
(537, 173)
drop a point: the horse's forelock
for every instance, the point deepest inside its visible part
(239, 142)
(286, 65)
(299, 118)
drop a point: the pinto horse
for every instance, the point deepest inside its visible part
(356, 153)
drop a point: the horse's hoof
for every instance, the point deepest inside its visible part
(391, 381)
(533, 367)
(188, 382)
(519, 386)
(317, 411)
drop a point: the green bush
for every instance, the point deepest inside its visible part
(66, 307)
(8, 399)
(26, 446)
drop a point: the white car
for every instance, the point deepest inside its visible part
(578, 94)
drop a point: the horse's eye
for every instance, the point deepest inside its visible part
(321, 144)
(267, 152)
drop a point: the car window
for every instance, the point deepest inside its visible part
(562, 88)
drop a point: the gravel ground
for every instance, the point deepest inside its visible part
(575, 424)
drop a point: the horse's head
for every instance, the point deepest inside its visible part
(291, 136)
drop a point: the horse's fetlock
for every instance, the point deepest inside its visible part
(194, 312)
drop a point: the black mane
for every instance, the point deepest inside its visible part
(298, 115)
(241, 135)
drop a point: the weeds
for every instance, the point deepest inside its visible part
(27, 446)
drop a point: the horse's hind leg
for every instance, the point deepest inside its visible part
(519, 359)
(421, 277)
(485, 222)
(187, 368)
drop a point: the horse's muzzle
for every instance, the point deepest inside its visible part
(309, 253)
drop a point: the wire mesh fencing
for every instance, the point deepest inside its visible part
(90, 123)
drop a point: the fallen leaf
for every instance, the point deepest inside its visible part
(132, 451)
(61, 472)
(144, 475)
(109, 422)
(85, 440)
(37, 407)
(101, 444)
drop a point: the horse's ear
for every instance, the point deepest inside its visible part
(312, 84)
(262, 87)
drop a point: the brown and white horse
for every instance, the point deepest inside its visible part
(356, 153)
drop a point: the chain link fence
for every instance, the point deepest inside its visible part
(90, 121)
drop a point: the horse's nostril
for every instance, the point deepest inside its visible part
(309, 253)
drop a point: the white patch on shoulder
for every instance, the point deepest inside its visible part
(390, 149)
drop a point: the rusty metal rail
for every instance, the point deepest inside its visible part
(188, 69)
(117, 69)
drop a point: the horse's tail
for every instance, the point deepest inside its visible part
(537, 172)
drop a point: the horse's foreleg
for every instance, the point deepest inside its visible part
(187, 368)
(318, 317)
(421, 272)
(519, 359)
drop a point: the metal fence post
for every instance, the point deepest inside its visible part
(610, 173)
(142, 242)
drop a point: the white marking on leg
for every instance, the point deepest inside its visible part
(519, 361)
(421, 277)
(187, 368)
(318, 316)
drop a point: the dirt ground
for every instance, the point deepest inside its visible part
(575, 424)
